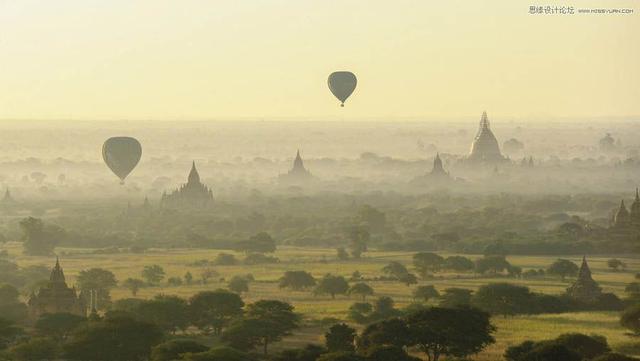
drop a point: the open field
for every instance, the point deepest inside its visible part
(176, 262)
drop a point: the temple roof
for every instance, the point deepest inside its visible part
(194, 177)
(485, 145)
(57, 275)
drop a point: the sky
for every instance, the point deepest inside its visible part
(270, 59)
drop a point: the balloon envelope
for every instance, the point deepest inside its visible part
(121, 154)
(342, 84)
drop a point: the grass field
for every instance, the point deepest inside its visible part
(176, 262)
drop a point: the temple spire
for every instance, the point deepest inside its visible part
(194, 177)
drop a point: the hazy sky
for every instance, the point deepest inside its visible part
(215, 59)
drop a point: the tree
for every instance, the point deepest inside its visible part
(612, 356)
(37, 240)
(308, 353)
(371, 218)
(550, 351)
(361, 289)
(153, 274)
(340, 337)
(395, 270)
(170, 313)
(218, 354)
(386, 353)
(630, 319)
(259, 243)
(238, 284)
(409, 279)
(390, 332)
(188, 278)
(503, 299)
(8, 294)
(133, 285)
(341, 356)
(265, 322)
(425, 293)
(427, 262)
(457, 332)
(8, 333)
(332, 285)
(113, 339)
(342, 254)
(588, 347)
(99, 280)
(563, 268)
(35, 349)
(58, 325)
(633, 290)
(358, 241)
(297, 280)
(215, 309)
(225, 259)
(455, 297)
(458, 264)
(616, 264)
(173, 349)
(174, 281)
(491, 264)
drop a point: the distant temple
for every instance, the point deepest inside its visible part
(298, 172)
(624, 218)
(485, 146)
(7, 199)
(55, 297)
(438, 170)
(192, 194)
(585, 288)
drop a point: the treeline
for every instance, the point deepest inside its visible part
(462, 224)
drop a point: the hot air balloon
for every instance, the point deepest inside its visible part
(342, 84)
(121, 154)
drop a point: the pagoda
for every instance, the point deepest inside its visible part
(55, 297)
(485, 146)
(193, 194)
(584, 288)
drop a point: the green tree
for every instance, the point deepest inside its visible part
(361, 289)
(340, 337)
(457, 332)
(215, 309)
(458, 264)
(153, 274)
(218, 354)
(630, 318)
(170, 313)
(35, 349)
(113, 339)
(332, 285)
(427, 262)
(390, 332)
(563, 268)
(616, 264)
(358, 241)
(37, 240)
(225, 259)
(455, 297)
(9, 333)
(100, 280)
(297, 280)
(425, 293)
(395, 270)
(503, 299)
(188, 278)
(133, 285)
(58, 325)
(259, 243)
(173, 349)
(265, 322)
(342, 254)
(238, 284)
(491, 265)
